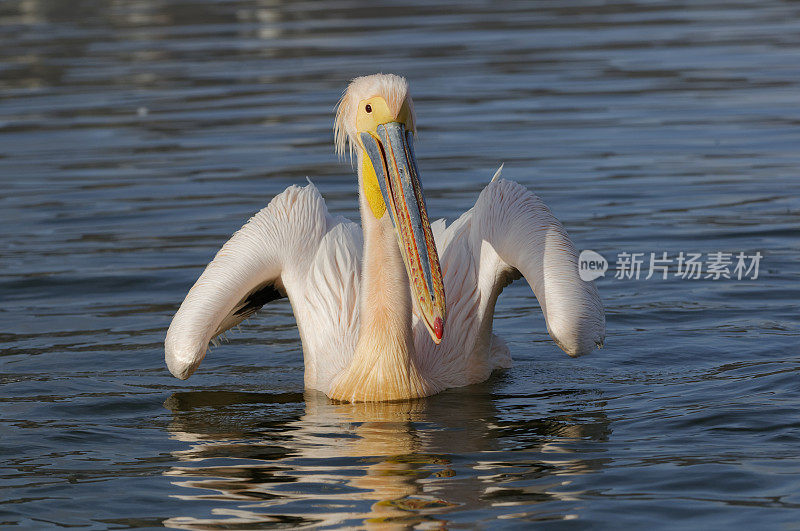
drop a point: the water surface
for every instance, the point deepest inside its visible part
(136, 136)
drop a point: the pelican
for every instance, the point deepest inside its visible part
(399, 308)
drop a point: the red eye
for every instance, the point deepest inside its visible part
(368, 108)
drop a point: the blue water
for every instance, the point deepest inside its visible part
(136, 136)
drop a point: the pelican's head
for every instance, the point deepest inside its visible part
(375, 119)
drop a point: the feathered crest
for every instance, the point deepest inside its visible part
(394, 89)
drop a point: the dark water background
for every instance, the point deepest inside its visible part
(136, 136)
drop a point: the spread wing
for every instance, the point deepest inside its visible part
(293, 248)
(524, 238)
(508, 234)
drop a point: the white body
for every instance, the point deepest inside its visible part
(316, 259)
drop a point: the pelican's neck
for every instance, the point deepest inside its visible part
(383, 366)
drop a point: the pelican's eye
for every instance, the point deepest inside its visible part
(368, 108)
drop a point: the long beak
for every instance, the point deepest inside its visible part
(392, 156)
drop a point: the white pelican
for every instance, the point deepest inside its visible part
(370, 303)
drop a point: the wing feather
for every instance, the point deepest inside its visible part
(521, 236)
(271, 255)
(509, 233)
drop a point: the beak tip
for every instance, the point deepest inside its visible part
(438, 329)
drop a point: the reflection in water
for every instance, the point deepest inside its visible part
(277, 459)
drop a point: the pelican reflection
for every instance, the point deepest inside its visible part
(263, 460)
